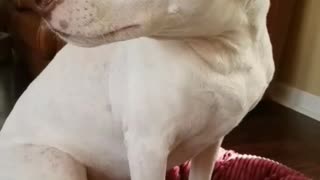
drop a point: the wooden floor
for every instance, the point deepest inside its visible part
(276, 132)
(270, 130)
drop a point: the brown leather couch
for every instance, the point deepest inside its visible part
(33, 42)
(36, 45)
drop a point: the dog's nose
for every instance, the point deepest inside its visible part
(44, 7)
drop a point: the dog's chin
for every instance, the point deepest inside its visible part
(123, 34)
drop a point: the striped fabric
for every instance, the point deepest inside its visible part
(234, 166)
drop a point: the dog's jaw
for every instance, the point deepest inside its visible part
(95, 22)
(124, 33)
(91, 23)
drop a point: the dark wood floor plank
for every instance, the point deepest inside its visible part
(281, 134)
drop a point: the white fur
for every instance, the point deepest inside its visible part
(138, 107)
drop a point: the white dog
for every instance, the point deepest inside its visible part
(165, 82)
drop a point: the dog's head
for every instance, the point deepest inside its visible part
(96, 22)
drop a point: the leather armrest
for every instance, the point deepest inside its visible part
(47, 41)
(34, 32)
(23, 4)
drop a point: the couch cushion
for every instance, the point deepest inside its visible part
(33, 40)
(23, 4)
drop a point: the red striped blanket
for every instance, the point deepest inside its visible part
(233, 166)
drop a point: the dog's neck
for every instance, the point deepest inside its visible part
(229, 34)
(213, 21)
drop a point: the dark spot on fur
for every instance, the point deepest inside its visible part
(63, 24)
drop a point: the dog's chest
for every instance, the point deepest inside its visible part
(97, 94)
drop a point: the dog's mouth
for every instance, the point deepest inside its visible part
(120, 31)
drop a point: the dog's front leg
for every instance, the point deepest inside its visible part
(203, 164)
(147, 159)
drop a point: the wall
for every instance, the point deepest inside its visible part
(279, 20)
(297, 81)
(300, 63)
